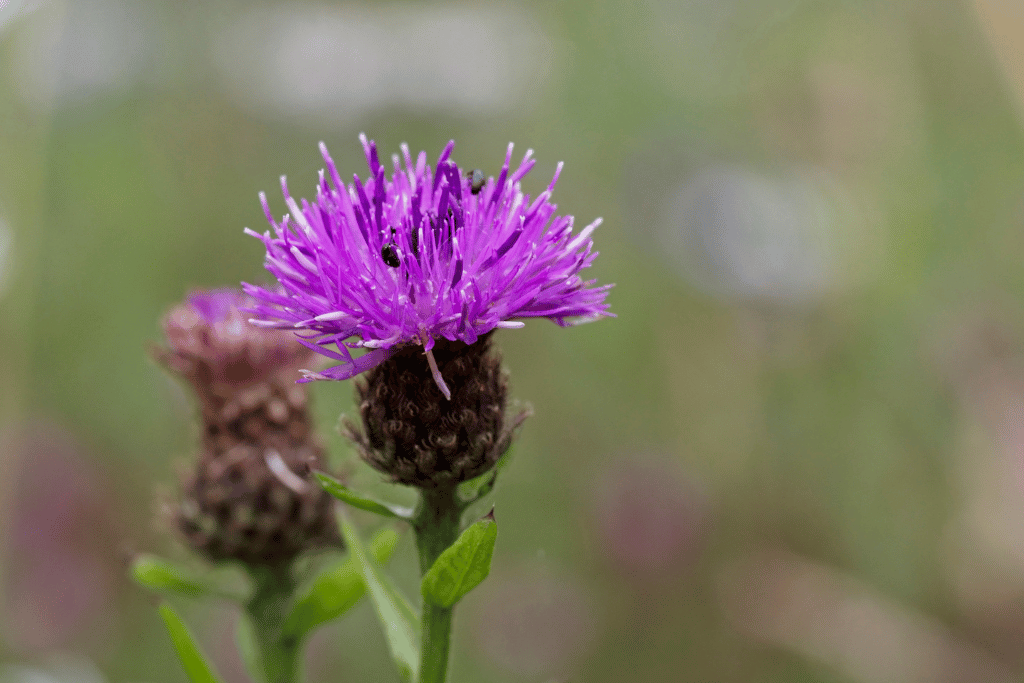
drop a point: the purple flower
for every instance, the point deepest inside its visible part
(427, 253)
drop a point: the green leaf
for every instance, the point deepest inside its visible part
(336, 590)
(346, 495)
(196, 666)
(400, 621)
(461, 567)
(163, 576)
(158, 574)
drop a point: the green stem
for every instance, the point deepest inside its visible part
(437, 526)
(278, 656)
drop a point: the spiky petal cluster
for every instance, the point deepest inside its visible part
(421, 254)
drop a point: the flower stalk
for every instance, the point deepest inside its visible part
(437, 526)
(278, 655)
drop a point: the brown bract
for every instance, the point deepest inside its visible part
(416, 436)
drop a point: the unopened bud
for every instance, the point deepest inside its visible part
(248, 497)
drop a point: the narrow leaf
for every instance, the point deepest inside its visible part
(336, 590)
(163, 576)
(158, 574)
(400, 621)
(461, 567)
(346, 495)
(196, 666)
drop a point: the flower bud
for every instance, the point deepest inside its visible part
(247, 497)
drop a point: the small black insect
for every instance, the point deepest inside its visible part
(390, 256)
(476, 180)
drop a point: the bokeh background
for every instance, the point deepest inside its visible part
(797, 454)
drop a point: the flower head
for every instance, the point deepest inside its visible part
(425, 254)
(247, 496)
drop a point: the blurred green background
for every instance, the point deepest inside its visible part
(797, 454)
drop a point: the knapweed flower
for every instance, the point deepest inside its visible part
(422, 254)
(247, 498)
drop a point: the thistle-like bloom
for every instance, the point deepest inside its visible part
(425, 254)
